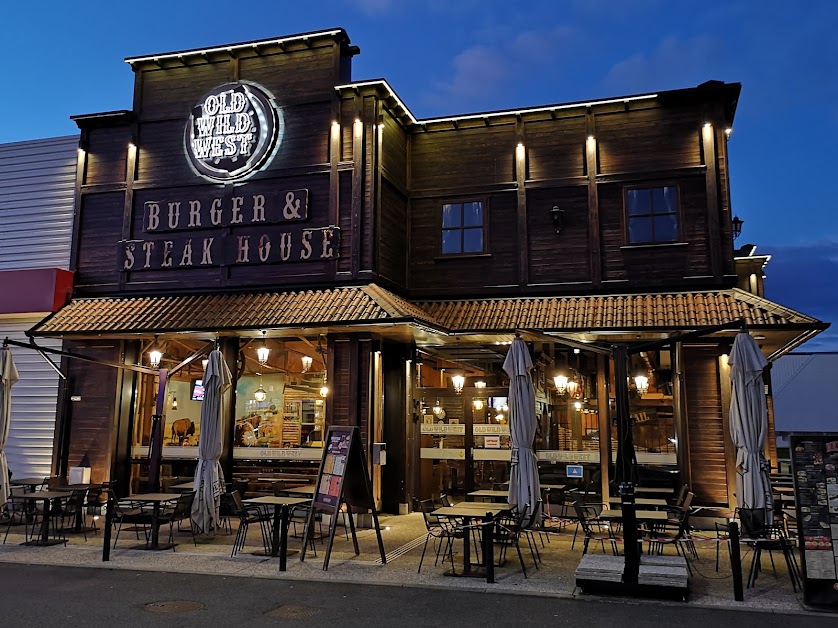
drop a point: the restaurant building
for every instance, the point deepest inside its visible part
(256, 196)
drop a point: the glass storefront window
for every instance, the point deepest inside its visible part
(652, 416)
(280, 413)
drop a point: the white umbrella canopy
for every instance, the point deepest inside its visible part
(749, 423)
(524, 489)
(209, 478)
(8, 377)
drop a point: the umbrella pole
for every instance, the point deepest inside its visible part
(625, 471)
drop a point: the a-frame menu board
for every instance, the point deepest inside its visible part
(342, 479)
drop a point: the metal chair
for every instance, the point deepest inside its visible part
(182, 511)
(594, 530)
(248, 515)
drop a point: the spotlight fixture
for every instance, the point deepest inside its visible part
(480, 384)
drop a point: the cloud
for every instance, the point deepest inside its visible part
(798, 276)
(674, 63)
(488, 72)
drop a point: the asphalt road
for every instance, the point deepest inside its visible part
(35, 596)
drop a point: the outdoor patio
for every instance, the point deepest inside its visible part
(403, 538)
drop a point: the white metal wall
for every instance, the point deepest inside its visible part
(37, 184)
(32, 428)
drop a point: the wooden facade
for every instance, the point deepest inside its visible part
(377, 179)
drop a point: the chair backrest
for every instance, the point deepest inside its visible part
(238, 505)
(445, 500)
(755, 522)
(581, 515)
(682, 495)
(688, 500)
(183, 507)
(426, 507)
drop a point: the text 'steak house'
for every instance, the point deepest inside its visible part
(256, 196)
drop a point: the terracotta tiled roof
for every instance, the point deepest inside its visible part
(351, 305)
(680, 310)
(372, 304)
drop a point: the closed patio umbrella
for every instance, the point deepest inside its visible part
(8, 377)
(524, 489)
(749, 423)
(209, 478)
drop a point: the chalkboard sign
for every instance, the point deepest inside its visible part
(342, 479)
(815, 470)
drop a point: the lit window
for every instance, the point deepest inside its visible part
(462, 228)
(652, 214)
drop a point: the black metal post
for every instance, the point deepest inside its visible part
(736, 562)
(106, 547)
(626, 470)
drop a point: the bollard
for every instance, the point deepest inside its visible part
(736, 562)
(106, 547)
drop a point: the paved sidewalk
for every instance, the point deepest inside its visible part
(403, 540)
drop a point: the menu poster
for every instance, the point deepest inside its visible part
(334, 466)
(815, 472)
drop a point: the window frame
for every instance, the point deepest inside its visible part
(484, 203)
(677, 213)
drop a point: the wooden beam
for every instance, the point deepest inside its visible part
(730, 448)
(357, 186)
(521, 194)
(708, 139)
(604, 417)
(593, 201)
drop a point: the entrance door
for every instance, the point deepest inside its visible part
(464, 440)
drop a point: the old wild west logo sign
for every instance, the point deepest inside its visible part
(232, 133)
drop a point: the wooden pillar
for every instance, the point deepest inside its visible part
(394, 491)
(708, 141)
(603, 413)
(521, 185)
(730, 449)
(357, 187)
(229, 348)
(593, 201)
(679, 411)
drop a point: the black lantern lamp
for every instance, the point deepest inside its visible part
(557, 216)
(736, 224)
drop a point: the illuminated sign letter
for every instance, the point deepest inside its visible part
(306, 252)
(152, 216)
(194, 213)
(206, 256)
(264, 248)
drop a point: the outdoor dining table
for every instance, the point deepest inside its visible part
(308, 489)
(46, 497)
(654, 490)
(184, 488)
(491, 494)
(654, 502)
(468, 511)
(282, 517)
(155, 499)
(30, 483)
(643, 516)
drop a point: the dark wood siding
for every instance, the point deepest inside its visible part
(448, 160)
(705, 425)
(171, 93)
(100, 221)
(106, 162)
(556, 148)
(649, 139)
(92, 418)
(431, 273)
(392, 245)
(558, 257)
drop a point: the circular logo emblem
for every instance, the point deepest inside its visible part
(233, 131)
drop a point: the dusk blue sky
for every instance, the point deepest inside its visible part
(447, 57)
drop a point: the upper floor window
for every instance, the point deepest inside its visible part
(652, 214)
(463, 228)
